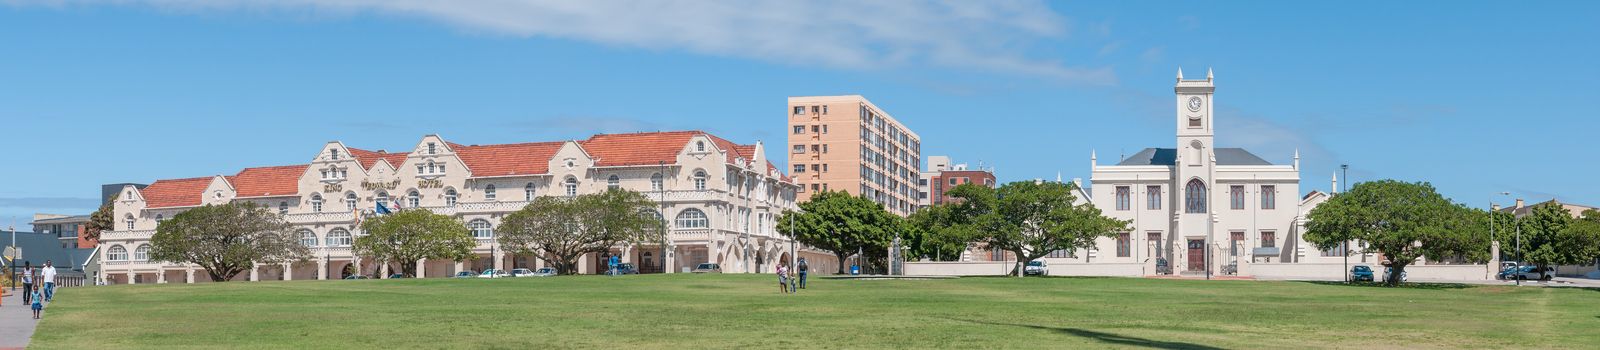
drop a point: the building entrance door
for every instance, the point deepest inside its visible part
(1197, 254)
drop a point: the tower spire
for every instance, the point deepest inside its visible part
(1335, 189)
(1180, 73)
(1297, 159)
(1208, 73)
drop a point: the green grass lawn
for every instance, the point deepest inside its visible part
(745, 311)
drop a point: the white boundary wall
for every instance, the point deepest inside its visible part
(997, 268)
(1335, 271)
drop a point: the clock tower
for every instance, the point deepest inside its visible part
(1194, 116)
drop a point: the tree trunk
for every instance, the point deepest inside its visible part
(409, 269)
(1019, 268)
(1395, 270)
(223, 274)
(842, 256)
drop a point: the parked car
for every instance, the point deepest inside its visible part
(1361, 273)
(521, 272)
(545, 272)
(626, 269)
(397, 275)
(494, 273)
(707, 268)
(356, 277)
(1389, 270)
(1528, 273)
(1036, 267)
(1163, 267)
(466, 274)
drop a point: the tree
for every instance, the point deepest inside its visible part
(559, 230)
(410, 235)
(103, 219)
(838, 222)
(1403, 221)
(226, 239)
(1550, 236)
(1030, 219)
(937, 233)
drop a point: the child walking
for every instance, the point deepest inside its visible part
(38, 302)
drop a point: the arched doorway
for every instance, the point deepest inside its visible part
(347, 271)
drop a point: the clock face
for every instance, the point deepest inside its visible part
(1194, 104)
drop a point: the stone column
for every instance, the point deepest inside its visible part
(130, 278)
(255, 272)
(322, 270)
(499, 260)
(627, 253)
(161, 275)
(583, 263)
(188, 275)
(422, 268)
(670, 264)
(288, 272)
(459, 267)
(383, 271)
(537, 262)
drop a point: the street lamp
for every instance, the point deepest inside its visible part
(1346, 252)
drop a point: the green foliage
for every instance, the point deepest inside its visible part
(226, 239)
(937, 234)
(1550, 236)
(559, 230)
(1029, 219)
(102, 219)
(837, 222)
(1403, 221)
(410, 235)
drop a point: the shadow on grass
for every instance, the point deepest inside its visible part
(1033, 277)
(1405, 285)
(1111, 338)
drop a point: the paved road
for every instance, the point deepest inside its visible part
(16, 322)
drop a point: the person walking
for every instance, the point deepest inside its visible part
(783, 280)
(38, 305)
(793, 283)
(49, 275)
(803, 269)
(27, 282)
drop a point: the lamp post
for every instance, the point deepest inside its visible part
(1346, 175)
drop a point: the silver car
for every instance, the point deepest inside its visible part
(707, 268)
(521, 272)
(545, 272)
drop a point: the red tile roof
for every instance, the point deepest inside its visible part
(508, 159)
(638, 148)
(268, 181)
(175, 192)
(370, 158)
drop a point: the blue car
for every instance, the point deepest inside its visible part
(1361, 273)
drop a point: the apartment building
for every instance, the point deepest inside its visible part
(847, 143)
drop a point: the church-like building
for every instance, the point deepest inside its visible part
(1195, 207)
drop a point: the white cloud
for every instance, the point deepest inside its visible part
(983, 35)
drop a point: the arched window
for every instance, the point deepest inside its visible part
(693, 218)
(117, 253)
(488, 192)
(572, 187)
(308, 238)
(699, 180)
(160, 218)
(414, 199)
(655, 182)
(527, 192)
(383, 199)
(1195, 197)
(613, 182)
(283, 208)
(129, 220)
(316, 202)
(338, 237)
(350, 201)
(450, 197)
(142, 253)
(481, 229)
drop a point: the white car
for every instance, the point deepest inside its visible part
(521, 272)
(494, 273)
(545, 272)
(1036, 267)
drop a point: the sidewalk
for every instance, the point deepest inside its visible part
(16, 322)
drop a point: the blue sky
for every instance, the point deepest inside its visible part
(1475, 97)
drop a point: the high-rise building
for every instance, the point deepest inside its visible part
(847, 143)
(941, 176)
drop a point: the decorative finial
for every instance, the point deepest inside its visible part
(1180, 73)
(1208, 73)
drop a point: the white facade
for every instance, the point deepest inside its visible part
(1195, 205)
(720, 199)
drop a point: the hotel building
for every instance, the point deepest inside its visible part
(720, 198)
(847, 143)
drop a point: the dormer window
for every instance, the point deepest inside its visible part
(333, 154)
(433, 148)
(699, 146)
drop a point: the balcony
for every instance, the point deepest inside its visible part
(691, 235)
(686, 196)
(127, 235)
(317, 218)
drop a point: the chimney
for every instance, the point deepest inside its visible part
(1519, 203)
